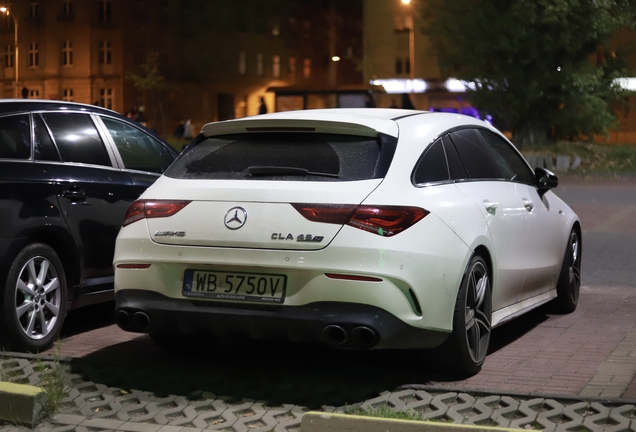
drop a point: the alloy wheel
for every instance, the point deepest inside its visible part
(478, 312)
(38, 297)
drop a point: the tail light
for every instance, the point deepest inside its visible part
(385, 221)
(143, 209)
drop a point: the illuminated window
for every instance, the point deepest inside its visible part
(242, 66)
(306, 68)
(105, 12)
(67, 53)
(276, 66)
(105, 52)
(9, 55)
(259, 64)
(34, 94)
(33, 59)
(67, 95)
(106, 97)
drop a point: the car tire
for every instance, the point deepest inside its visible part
(569, 283)
(467, 346)
(33, 305)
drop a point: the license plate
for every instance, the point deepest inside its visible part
(255, 287)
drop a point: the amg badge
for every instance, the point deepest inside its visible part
(170, 234)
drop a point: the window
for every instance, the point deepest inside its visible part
(15, 137)
(67, 8)
(259, 64)
(7, 21)
(455, 165)
(242, 66)
(407, 66)
(77, 138)
(33, 9)
(398, 66)
(138, 150)
(306, 68)
(432, 166)
(306, 29)
(276, 66)
(139, 8)
(329, 157)
(105, 52)
(275, 26)
(9, 55)
(67, 95)
(106, 97)
(140, 53)
(34, 94)
(67, 53)
(475, 155)
(292, 66)
(105, 12)
(510, 163)
(43, 146)
(33, 59)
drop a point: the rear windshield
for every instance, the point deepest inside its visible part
(279, 156)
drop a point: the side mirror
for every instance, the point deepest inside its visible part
(545, 179)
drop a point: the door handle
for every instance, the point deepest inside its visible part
(491, 207)
(529, 205)
(74, 195)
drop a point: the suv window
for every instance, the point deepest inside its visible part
(77, 138)
(432, 166)
(510, 163)
(455, 165)
(279, 156)
(15, 137)
(475, 155)
(43, 145)
(138, 150)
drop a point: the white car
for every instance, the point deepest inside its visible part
(359, 228)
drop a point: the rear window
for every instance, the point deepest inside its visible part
(280, 156)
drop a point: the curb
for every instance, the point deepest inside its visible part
(323, 422)
(23, 404)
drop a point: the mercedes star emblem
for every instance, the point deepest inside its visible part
(235, 218)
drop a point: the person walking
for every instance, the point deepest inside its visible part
(262, 109)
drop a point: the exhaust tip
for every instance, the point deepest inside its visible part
(364, 336)
(334, 334)
(141, 321)
(122, 319)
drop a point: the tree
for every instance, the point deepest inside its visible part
(152, 82)
(543, 68)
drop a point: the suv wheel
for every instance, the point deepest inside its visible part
(33, 303)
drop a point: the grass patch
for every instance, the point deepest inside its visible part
(595, 158)
(383, 412)
(52, 376)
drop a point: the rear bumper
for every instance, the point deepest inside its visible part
(340, 324)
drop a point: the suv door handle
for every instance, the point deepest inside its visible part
(529, 205)
(491, 207)
(74, 195)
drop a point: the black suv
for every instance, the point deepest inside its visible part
(68, 172)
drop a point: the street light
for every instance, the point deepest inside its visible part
(15, 44)
(411, 44)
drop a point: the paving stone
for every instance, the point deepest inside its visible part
(456, 412)
(499, 414)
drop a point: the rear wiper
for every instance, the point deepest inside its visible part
(278, 170)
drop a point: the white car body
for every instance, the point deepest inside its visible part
(414, 276)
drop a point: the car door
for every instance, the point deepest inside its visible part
(543, 244)
(501, 209)
(92, 193)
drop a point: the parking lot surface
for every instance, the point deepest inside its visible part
(543, 371)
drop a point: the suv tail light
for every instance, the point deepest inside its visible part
(386, 221)
(142, 209)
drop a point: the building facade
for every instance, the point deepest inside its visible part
(202, 60)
